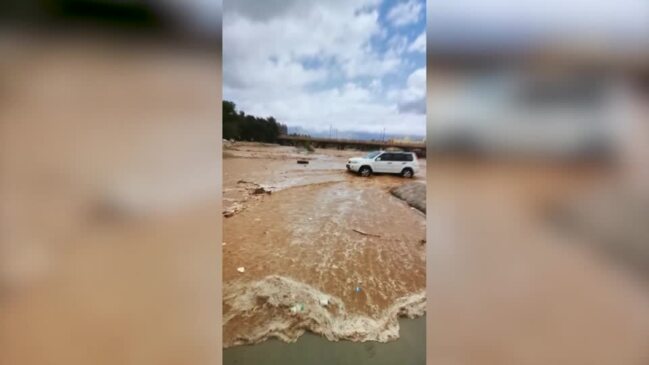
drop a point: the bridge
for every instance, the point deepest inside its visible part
(418, 147)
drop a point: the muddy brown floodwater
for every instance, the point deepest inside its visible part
(325, 251)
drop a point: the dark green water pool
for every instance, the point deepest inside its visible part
(409, 349)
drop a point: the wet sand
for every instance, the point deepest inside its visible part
(327, 251)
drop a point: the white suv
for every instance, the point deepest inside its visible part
(391, 162)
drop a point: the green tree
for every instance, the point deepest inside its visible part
(239, 126)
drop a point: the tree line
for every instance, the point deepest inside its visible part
(239, 126)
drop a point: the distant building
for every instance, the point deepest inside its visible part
(406, 139)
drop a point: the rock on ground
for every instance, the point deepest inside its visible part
(413, 193)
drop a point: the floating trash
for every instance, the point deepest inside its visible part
(324, 301)
(241, 269)
(297, 308)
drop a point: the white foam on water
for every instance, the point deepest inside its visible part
(285, 309)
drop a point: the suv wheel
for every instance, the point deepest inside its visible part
(407, 172)
(365, 171)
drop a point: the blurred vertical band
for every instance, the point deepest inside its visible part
(110, 210)
(538, 147)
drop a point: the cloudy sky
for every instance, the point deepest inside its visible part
(465, 23)
(357, 65)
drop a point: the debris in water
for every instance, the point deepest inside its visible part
(422, 242)
(241, 269)
(365, 233)
(234, 209)
(358, 289)
(303, 162)
(324, 301)
(261, 190)
(297, 308)
(223, 243)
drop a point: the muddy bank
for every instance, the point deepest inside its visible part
(249, 165)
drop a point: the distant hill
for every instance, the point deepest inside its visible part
(352, 134)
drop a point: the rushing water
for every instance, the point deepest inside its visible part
(327, 252)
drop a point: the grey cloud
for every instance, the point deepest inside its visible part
(264, 9)
(417, 106)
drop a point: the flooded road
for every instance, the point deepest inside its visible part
(326, 251)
